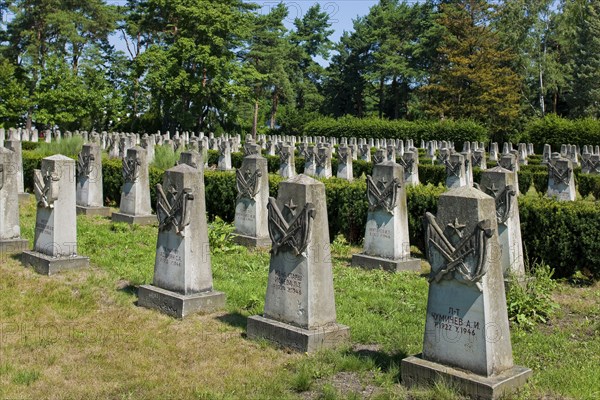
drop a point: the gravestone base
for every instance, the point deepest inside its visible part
(9, 246)
(134, 219)
(419, 372)
(91, 211)
(293, 337)
(251, 241)
(178, 305)
(23, 197)
(372, 262)
(47, 265)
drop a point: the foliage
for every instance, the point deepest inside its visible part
(69, 147)
(220, 237)
(529, 299)
(555, 131)
(165, 157)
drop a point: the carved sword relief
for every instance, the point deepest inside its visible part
(45, 188)
(247, 183)
(294, 234)
(382, 194)
(173, 209)
(407, 165)
(559, 175)
(504, 200)
(452, 169)
(465, 261)
(84, 164)
(131, 169)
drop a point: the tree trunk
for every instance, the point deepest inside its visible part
(274, 105)
(381, 96)
(255, 120)
(396, 98)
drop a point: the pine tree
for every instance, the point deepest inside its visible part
(473, 78)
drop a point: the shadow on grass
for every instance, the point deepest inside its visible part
(383, 360)
(235, 319)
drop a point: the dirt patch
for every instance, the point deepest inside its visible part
(345, 384)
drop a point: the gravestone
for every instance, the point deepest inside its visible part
(90, 199)
(10, 228)
(410, 163)
(135, 193)
(386, 243)
(183, 282)
(252, 181)
(224, 162)
(379, 156)
(494, 152)
(287, 161)
(467, 338)
(500, 184)
(390, 153)
(147, 142)
(468, 167)
(345, 163)
(323, 162)
(590, 164)
(546, 153)
(364, 152)
(299, 305)
(191, 158)
(455, 171)
(55, 237)
(478, 159)
(561, 180)
(310, 166)
(509, 162)
(15, 145)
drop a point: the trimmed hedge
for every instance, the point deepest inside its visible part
(555, 131)
(457, 131)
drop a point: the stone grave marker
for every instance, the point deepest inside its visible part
(467, 338)
(287, 161)
(55, 237)
(15, 145)
(90, 198)
(182, 283)
(10, 227)
(323, 162)
(252, 182)
(386, 243)
(561, 180)
(500, 184)
(345, 163)
(135, 195)
(299, 305)
(455, 171)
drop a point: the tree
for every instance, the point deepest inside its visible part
(268, 54)
(473, 78)
(13, 94)
(584, 96)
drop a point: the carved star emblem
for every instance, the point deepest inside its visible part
(493, 189)
(457, 228)
(291, 206)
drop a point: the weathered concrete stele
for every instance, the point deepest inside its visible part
(387, 243)
(10, 228)
(182, 282)
(55, 239)
(500, 184)
(561, 180)
(90, 199)
(252, 181)
(467, 337)
(17, 168)
(135, 194)
(299, 305)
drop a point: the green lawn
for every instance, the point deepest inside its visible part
(80, 335)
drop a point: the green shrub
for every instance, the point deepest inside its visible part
(555, 131)
(70, 147)
(165, 157)
(530, 302)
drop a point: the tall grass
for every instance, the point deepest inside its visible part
(69, 147)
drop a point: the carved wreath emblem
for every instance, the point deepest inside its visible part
(294, 234)
(131, 169)
(250, 149)
(559, 175)
(382, 194)
(84, 164)
(343, 156)
(379, 157)
(45, 188)
(364, 150)
(465, 261)
(321, 159)
(247, 183)
(503, 200)
(477, 160)
(173, 209)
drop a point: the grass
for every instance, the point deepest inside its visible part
(80, 335)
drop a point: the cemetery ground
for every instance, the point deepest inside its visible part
(80, 335)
